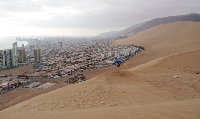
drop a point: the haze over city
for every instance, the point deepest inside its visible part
(83, 17)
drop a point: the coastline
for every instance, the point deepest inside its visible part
(7, 42)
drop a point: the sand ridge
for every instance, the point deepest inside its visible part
(153, 62)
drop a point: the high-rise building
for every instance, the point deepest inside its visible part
(21, 55)
(7, 58)
(37, 56)
(60, 45)
(37, 46)
(23, 46)
(15, 48)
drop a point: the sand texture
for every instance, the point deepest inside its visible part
(161, 82)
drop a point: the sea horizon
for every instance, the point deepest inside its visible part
(7, 42)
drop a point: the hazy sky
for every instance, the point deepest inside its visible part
(84, 17)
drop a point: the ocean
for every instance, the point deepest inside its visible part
(7, 43)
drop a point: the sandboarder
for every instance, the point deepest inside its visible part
(118, 61)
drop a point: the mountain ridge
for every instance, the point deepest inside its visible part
(131, 31)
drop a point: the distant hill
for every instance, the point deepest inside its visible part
(121, 32)
(106, 34)
(146, 25)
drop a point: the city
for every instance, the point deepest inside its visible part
(59, 57)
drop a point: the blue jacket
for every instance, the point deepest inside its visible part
(117, 60)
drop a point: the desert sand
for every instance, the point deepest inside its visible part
(160, 82)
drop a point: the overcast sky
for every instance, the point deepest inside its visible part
(84, 17)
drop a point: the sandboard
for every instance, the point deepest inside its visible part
(121, 64)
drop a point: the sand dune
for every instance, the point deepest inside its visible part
(164, 40)
(144, 87)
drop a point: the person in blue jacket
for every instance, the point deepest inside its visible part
(118, 61)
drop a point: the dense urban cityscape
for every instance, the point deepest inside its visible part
(57, 57)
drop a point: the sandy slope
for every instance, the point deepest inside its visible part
(21, 94)
(167, 38)
(188, 109)
(148, 90)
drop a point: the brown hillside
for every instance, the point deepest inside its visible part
(166, 20)
(167, 36)
(152, 23)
